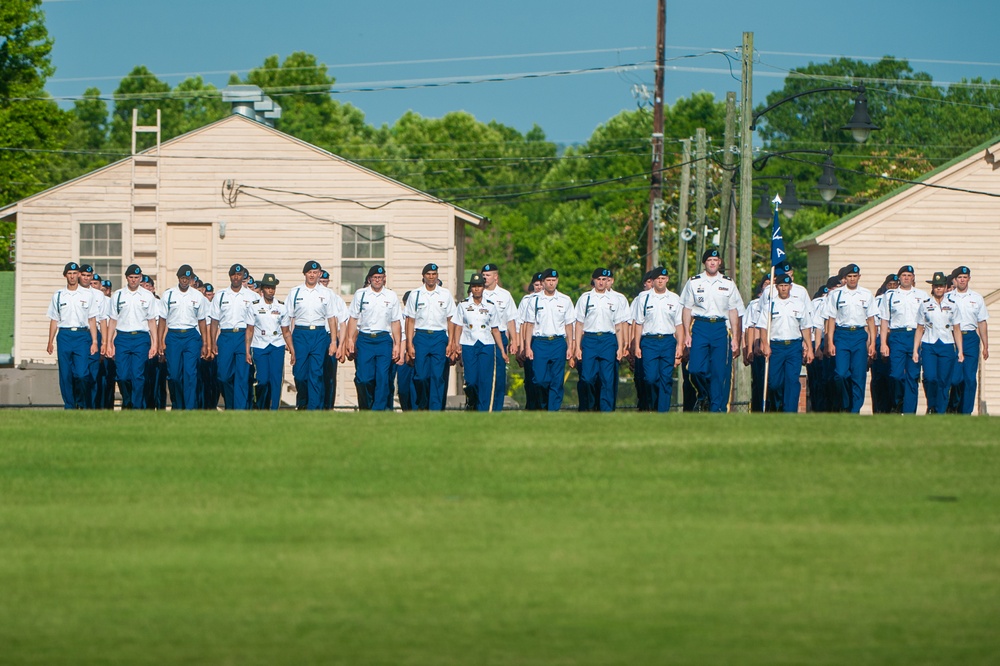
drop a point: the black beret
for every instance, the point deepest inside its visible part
(428, 268)
(185, 271)
(600, 272)
(905, 269)
(375, 270)
(784, 278)
(311, 266)
(209, 287)
(236, 269)
(490, 267)
(961, 270)
(709, 253)
(71, 266)
(324, 275)
(133, 269)
(86, 268)
(550, 273)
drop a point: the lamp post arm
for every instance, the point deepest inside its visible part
(761, 162)
(854, 89)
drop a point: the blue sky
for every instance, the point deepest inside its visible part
(371, 44)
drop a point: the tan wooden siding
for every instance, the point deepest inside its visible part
(932, 229)
(265, 236)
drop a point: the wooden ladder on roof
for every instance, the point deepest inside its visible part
(145, 219)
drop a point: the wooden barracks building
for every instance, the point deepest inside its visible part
(938, 225)
(234, 191)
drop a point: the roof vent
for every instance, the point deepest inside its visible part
(251, 102)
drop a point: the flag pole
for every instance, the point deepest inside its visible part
(775, 231)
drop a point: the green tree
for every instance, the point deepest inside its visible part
(86, 146)
(141, 89)
(31, 125)
(301, 86)
(201, 103)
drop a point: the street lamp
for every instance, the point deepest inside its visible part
(828, 185)
(860, 124)
(790, 202)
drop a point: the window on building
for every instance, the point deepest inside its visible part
(362, 247)
(101, 246)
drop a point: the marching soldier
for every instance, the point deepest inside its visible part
(184, 338)
(712, 301)
(658, 339)
(638, 372)
(532, 402)
(972, 320)
(97, 369)
(600, 320)
(549, 329)
(132, 339)
(850, 338)
(788, 346)
(508, 314)
(329, 363)
(209, 388)
(427, 312)
(156, 367)
(898, 316)
(231, 315)
(373, 337)
(317, 319)
(475, 333)
(72, 316)
(817, 376)
(267, 338)
(937, 343)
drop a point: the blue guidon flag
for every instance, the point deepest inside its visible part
(778, 254)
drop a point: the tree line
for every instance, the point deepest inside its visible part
(572, 207)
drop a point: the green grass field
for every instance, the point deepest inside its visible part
(290, 538)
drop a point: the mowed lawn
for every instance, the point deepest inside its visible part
(519, 538)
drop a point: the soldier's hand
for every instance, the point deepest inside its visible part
(50, 348)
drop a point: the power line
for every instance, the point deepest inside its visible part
(338, 66)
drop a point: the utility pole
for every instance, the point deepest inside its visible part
(682, 216)
(728, 247)
(656, 177)
(741, 377)
(701, 176)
